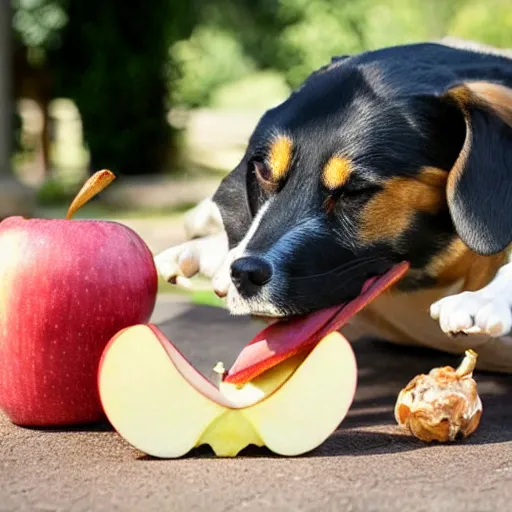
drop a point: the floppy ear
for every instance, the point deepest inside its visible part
(479, 187)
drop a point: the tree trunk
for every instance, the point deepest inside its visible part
(5, 88)
(113, 64)
(15, 199)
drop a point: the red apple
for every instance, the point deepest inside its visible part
(66, 287)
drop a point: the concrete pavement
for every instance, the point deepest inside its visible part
(367, 465)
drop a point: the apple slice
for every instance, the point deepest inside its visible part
(160, 404)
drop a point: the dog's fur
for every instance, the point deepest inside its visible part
(404, 153)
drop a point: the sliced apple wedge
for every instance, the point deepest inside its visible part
(160, 404)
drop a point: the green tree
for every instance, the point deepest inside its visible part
(235, 39)
(113, 62)
(487, 21)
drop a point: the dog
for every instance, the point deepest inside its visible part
(398, 154)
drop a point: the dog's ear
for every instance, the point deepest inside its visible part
(238, 198)
(479, 186)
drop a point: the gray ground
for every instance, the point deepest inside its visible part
(367, 465)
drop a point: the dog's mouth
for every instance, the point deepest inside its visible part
(286, 337)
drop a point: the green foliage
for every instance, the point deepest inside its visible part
(53, 192)
(207, 298)
(113, 64)
(261, 89)
(210, 58)
(488, 21)
(125, 63)
(295, 37)
(37, 23)
(111, 58)
(324, 29)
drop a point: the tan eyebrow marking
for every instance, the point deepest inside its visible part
(280, 157)
(336, 172)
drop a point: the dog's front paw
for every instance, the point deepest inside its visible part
(201, 255)
(473, 313)
(178, 263)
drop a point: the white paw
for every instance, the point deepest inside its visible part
(178, 263)
(473, 313)
(201, 255)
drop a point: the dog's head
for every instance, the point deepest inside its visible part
(363, 167)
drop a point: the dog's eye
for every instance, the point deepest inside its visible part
(358, 191)
(262, 171)
(264, 175)
(359, 187)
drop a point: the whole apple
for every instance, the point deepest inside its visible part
(66, 287)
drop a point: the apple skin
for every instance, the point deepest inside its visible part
(66, 287)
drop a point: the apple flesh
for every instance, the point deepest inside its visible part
(66, 287)
(161, 405)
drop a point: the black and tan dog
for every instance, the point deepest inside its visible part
(404, 153)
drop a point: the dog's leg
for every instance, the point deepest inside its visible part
(203, 220)
(204, 253)
(485, 311)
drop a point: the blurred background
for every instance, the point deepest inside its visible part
(166, 92)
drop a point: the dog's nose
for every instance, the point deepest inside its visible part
(250, 273)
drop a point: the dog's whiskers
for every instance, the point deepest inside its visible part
(340, 269)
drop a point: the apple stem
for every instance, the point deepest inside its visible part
(468, 364)
(93, 186)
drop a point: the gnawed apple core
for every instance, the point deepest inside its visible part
(286, 338)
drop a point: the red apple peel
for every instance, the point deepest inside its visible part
(280, 341)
